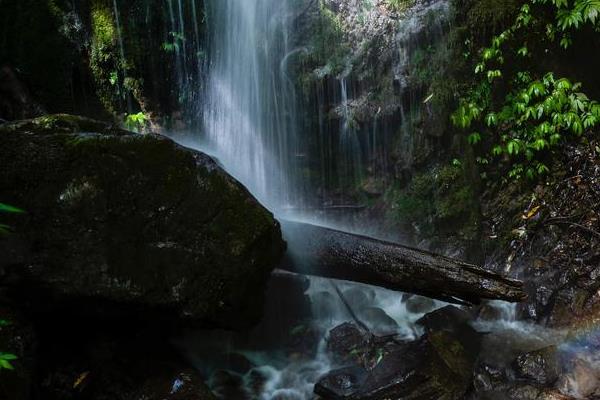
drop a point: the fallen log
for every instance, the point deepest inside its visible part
(319, 251)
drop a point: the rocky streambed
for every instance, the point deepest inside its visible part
(390, 346)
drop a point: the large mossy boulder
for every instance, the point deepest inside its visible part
(131, 220)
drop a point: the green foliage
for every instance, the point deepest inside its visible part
(175, 43)
(10, 209)
(114, 78)
(102, 25)
(328, 49)
(539, 111)
(399, 5)
(104, 61)
(5, 361)
(569, 16)
(136, 122)
(5, 229)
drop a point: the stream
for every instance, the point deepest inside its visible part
(287, 353)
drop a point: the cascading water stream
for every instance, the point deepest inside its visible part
(250, 111)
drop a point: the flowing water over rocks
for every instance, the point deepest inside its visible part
(299, 339)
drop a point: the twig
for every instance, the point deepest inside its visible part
(585, 228)
(350, 311)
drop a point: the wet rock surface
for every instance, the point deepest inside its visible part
(439, 365)
(567, 370)
(347, 343)
(540, 366)
(435, 366)
(419, 304)
(120, 219)
(528, 392)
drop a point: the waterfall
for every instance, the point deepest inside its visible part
(250, 112)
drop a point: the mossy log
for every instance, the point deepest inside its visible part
(319, 251)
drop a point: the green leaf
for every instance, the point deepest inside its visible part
(4, 364)
(530, 173)
(523, 51)
(542, 169)
(512, 147)
(565, 42)
(497, 150)
(10, 209)
(491, 119)
(540, 144)
(7, 356)
(493, 74)
(4, 229)
(474, 138)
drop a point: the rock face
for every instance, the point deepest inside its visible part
(347, 342)
(134, 220)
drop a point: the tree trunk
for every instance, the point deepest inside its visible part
(328, 253)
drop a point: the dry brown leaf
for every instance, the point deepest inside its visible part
(531, 213)
(82, 377)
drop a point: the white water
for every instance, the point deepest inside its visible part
(250, 111)
(291, 373)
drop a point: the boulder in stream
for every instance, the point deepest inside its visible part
(437, 366)
(418, 304)
(456, 322)
(347, 343)
(539, 366)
